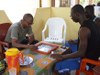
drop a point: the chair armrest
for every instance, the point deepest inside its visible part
(4, 44)
(94, 62)
(43, 32)
(64, 33)
(90, 61)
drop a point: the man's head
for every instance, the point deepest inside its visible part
(27, 20)
(89, 11)
(76, 12)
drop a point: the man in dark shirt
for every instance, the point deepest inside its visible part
(89, 12)
(88, 42)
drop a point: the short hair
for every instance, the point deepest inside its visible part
(28, 15)
(78, 8)
(90, 8)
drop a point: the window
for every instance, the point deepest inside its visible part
(46, 3)
(57, 3)
(62, 3)
(84, 2)
(96, 1)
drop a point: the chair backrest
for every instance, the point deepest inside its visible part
(57, 27)
(3, 30)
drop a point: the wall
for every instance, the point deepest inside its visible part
(42, 14)
(3, 17)
(15, 9)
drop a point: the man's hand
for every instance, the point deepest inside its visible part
(32, 47)
(58, 57)
(30, 38)
(72, 42)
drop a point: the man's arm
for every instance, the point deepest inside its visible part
(15, 43)
(31, 38)
(14, 38)
(84, 34)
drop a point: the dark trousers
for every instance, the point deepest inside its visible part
(24, 41)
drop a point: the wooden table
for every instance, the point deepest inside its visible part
(41, 65)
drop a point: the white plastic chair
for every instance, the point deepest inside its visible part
(56, 30)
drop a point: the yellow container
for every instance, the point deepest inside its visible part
(12, 57)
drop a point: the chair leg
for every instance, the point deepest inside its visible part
(77, 72)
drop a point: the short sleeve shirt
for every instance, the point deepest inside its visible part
(16, 31)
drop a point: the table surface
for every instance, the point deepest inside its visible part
(41, 63)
